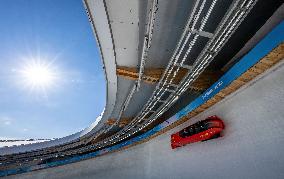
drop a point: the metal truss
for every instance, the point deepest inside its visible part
(158, 103)
(153, 108)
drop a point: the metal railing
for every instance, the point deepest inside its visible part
(234, 16)
(230, 22)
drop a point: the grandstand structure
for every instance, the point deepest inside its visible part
(160, 58)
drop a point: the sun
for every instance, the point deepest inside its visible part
(38, 75)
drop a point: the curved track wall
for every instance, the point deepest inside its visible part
(238, 69)
(252, 146)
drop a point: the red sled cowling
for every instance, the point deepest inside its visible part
(207, 129)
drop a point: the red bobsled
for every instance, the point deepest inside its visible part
(207, 129)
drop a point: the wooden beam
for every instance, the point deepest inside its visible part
(153, 75)
(122, 122)
(150, 75)
(205, 80)
(110, 121)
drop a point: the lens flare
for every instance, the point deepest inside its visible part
(38, 75)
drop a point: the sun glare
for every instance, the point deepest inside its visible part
(38, 75)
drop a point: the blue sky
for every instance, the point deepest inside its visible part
(56, 32)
